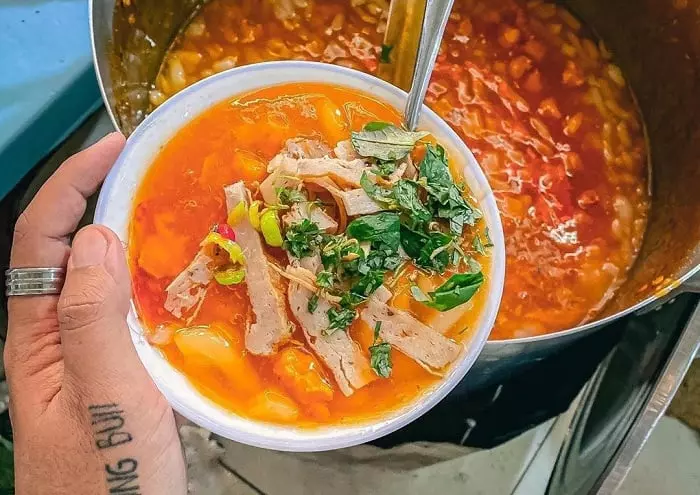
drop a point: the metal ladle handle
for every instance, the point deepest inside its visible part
(437, 12)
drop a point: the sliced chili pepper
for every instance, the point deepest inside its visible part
(234, 250)
(254, 214)
(237, 213)
(270, 228)
(226, 231)
(230, 276)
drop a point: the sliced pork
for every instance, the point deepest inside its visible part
(429, 348)
(357, 202)
(271, 327)
(186, 292)
(300, 211)
(346, 172)
(345, 151)
(295, 149)
(341, 355)
(306, 148)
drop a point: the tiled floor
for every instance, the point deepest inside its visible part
(669, 464)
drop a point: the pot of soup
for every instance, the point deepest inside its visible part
(581, 114)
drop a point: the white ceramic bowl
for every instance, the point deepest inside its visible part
(115, 206)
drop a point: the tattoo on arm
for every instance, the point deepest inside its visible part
(108, 425)
(122, 477)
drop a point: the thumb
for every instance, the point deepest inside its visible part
(93, 306)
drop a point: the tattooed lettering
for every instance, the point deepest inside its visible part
(108, 425)
(122, 477)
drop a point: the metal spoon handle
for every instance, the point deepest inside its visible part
(437, 12)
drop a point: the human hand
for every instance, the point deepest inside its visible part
(85, 414)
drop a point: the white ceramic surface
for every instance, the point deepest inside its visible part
(115, 206)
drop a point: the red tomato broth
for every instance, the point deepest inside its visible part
(180, 200)
(560, 191)
(569, 168)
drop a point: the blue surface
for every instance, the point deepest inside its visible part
(47, 81)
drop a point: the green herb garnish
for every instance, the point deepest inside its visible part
(431, 250)
(459, 289)
(384, 168)
(489, 242)
(288, 196)
(339, 319)
(380, 354)
(312, 305)
(445, 198)
(478, 245)
(376, 126)
(377, 193)
(324, 280)
(405, 193)
(379, 229)
(387, 143)
(302, 238)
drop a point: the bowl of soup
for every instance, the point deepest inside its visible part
(307, 273)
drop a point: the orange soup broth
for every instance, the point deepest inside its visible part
(181, 197)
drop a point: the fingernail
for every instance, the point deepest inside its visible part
(89, 248)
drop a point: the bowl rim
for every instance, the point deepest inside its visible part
(273, 436)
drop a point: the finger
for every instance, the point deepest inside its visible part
(42, 231)
(92, 311)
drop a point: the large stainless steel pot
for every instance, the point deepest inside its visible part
(657, 44)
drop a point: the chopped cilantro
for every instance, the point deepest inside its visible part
(324, 280)
(380, 359)
(446, 199)
(302, 238)
(380, 354)
(288, 196)
(405, 193)
(340, 319)
(368, 284)
(377, 329)
(313, 303)
(384, 167)
(431, 250)
(478, 245)
(487, 235)
(377, 193)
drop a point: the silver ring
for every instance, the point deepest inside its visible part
(34, 281)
